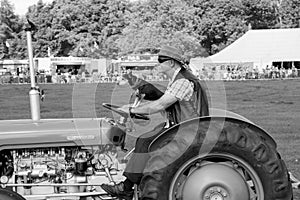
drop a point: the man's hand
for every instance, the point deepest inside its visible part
(125, 108)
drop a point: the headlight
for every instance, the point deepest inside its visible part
(3, 179)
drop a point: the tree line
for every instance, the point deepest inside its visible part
(110, 28)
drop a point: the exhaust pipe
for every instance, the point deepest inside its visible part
(34, 93)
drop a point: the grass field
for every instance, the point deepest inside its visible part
(274, 105)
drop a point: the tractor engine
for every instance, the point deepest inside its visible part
(60, 169)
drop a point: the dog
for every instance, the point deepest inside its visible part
(144, 89)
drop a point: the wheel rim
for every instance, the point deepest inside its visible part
(217, 176)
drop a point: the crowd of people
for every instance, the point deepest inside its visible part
(235, 73)
(69, 77)
(230, 73)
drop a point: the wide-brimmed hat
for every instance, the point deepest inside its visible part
(168, 52)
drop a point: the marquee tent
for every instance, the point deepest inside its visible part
(261, 47)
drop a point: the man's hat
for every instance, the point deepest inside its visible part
(168, 52)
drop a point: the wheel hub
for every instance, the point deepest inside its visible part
(215, 193)
(215, 182)
(216, 197)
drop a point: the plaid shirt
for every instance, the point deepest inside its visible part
(182, 88)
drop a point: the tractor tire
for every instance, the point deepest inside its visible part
(6, 194)
(248, 163)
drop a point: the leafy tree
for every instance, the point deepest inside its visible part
(105, 28)
(114, 24)
(18, 45)
(290, 10)
(219, 23)
(261, 14)
(9, 26)
(79, 28)
(40, 15)
(158, 22)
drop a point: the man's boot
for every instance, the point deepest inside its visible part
(119, 190)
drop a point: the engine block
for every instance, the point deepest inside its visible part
(57, 170)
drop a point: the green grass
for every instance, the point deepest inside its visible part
(273, 105)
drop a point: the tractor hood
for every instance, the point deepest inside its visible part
(57, 132)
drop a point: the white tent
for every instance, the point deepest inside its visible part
(261, 47)
(196, 64)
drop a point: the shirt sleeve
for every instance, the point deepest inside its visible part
(182, 89)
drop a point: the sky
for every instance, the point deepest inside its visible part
(22, 5)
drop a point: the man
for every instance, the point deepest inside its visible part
(183, 99)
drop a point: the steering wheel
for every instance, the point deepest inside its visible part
(124, 114)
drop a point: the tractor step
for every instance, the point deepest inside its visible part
(295, 182)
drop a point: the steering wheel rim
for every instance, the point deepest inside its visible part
(124, 114)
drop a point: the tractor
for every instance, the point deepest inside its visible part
(223, 156)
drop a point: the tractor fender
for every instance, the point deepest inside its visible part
(216, 112)
(229, 118)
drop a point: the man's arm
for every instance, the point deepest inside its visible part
(155, 106)
(178, 91)
(152, 107)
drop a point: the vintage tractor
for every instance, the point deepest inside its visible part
(220, 157)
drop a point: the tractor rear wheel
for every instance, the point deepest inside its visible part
(6, 194)
(241, 165)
